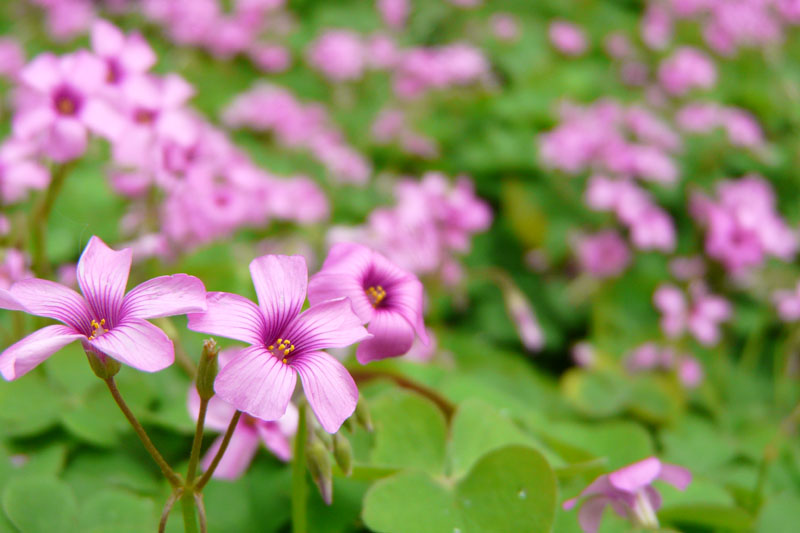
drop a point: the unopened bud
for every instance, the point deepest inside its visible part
(343, 453)
(102, 365)
(207, 369)
(324, 437)
(350, 424)
(362, 414)
(319, 465)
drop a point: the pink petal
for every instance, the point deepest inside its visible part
(275, 440)
(218, 413)
(392, 336)
(331, 324)
(280, 282)
(25, 355)
(46, 298)
(591, 513)
(107, 39)
(42, 73)
(137, 56)
(178, 126)
(7, 301)
(137, 343)
(231, 316)
(67, 141)
(257, 383)
(102, 276)
(178, 294)
(84, 70)
(103, 119)
(407, 299)
(635, 476)
(330, 389)
(238, 456)
(30, 122)
(326, 285)
(675, 475)
(176, 91)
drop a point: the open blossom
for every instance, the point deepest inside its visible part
(629, 492)
(19, 171)
(603, 254)
(567, 38)
(787, 303)
(383, 295)
(339, 55)
(61, 102)
(107, 321)
(283, 342)
(249, 433)
(394, 12)
(701, 315)
(657, 26)
(504, 26)
(687, 69)
(123, 55)
(12, 58)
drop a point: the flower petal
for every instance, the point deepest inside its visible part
(325, 285)
(331, 324)
(677, 476)
(7, 301)
(392, 336)
(231, 316)
(137, 56)
(275, 440)
(137, 343)
(102, 276)
(46, 298)
(42, 73)
(635, 476)
(280, 282)
(238, 456)
(257, 383)
(67, 140)
(26, 354)
(107, 39)
(218, 413)
(330, 389)
(178, 294)
(591, 513)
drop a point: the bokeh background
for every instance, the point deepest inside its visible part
(600, 196)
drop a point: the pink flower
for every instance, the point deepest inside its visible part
(701, 317)
(19, 171)
(62, 102)
(124, 56)
(690, 372)
(657, 27)
(270, 57)
(249, 433)
(283, 342)
(504, 26)
(394, 12)
(603, 254)
(629, 492)
(523, 317)
(383, 295)
(568, 38)
(686, 69)
(107, 321)
(12, 58)
(787, 303)
(339, 55)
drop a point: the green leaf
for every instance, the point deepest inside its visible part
(511, 489)
(41, 505)
(781, 514)
(410, 431)
(620, 442)
(708, 516)
(593, 393)
(110, 509)
(28, 406)
(96, 420)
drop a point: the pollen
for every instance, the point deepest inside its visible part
(98, 328)
(376, 295)
(65, 106)
(282, 348)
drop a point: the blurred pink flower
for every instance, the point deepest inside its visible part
(629, 492)
(283, 341)
(107, 321)
(124, 55)
(271, 58)
(383, 296)
(687, 68)
(19, 171)
(249, 433)
(14, 267)
(603, 254)
(787, 303)
(504, 26)
(568, 38)
(690, 372)
(657, 26)
(339, 55)
(701, 315)
(12, 58)
(394, 12)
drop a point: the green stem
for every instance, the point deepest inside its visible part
(162, 524)
(40, 217)
(217, 458)
(198, 440)
(299, 482)
(189, 515)
(170, 474)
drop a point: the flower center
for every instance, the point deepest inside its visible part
(282, 350)
(113, 71)
(376, 295)
(144, 116)
(98, 328)
(66, 105)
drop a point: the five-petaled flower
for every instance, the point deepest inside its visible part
(249, 432)
(385, 296)
(629, 492)
(261, 379)
(107, 321)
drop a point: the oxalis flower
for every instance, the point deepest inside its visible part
(249, 433)
(283, 341)
(386, 297)
(629, 492)
(107, 321)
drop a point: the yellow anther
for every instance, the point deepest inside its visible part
(270, 347)
(284, 360)
(280, 341)
(291, 348)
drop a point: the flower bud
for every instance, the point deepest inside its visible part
(363, 416)
(208, 369)
(102, 365)
(324, 436)
(319, 465)
(343, 453)
(350, 424)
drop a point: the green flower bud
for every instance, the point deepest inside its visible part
(362, 414)
(320, 467)
(343, 453)
(208, 369)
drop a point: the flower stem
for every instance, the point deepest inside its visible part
(299, 482)
(39, 219)
(217, 458)
(201, 512)
(189, 516)
(198, 440)
(162, 524)
(443, 403)
(173, 478)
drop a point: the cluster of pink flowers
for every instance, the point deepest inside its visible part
(602, 254)
(391, 126)
(598, 137)
(726, 25)
(430, 223)
(743, 225)
(269, 108)
(700, 314)
(686, 69)
(419, 70)
(567, 38)
(650, 356)
(740, 126)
